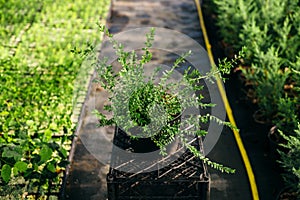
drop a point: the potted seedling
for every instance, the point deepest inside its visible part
(155, 113)
(150, 111)
(290, 162)
(286, 119)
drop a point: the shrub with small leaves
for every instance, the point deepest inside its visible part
(139, 101)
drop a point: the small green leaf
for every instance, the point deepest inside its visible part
(30, 122)
(6, 172)
(45, 153)
(21, 166)
(15, 171)
(8, 153)
(64, 152)
(51, 167)
(4, 113)
(35, 167)
(47, 135)
(53, 126)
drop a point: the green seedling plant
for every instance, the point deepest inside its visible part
(291, 161)
(137, 100)
(37, 78)
(270, 31)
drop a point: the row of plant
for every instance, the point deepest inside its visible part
(271, 33)
(38, 74)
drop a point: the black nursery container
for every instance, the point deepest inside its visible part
(185, 177)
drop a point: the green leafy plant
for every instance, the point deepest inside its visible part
(137, 100)
(232, 14)
(286, 117)
(269, 30)
(37, 86)
(291, 161)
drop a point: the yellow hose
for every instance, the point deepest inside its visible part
(236, 133)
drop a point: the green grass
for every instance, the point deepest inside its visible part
(37, 77)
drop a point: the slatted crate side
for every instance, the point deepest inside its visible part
(176, 189)
(185, 178)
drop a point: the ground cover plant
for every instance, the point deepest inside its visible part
(37, 78)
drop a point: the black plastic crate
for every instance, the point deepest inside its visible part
(185, 177)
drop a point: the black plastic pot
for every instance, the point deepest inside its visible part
(274, 147)
(138, 145)
(260, 118)
(273, 144)
(287, 194)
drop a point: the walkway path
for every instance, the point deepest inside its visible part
(87, 174)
